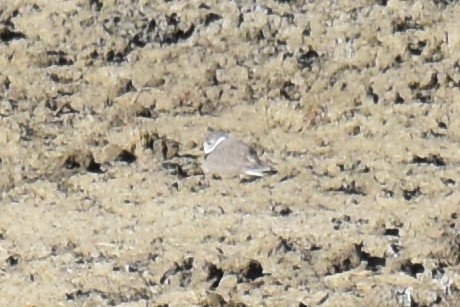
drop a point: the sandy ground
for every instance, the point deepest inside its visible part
(103, 109)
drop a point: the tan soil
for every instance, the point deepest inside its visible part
(103, 109)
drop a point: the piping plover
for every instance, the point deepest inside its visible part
(227, 156)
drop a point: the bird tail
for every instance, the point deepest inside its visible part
(261, 172)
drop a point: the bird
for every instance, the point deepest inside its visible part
(227, 156)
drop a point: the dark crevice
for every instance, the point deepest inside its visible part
(430, 159)
(126, 156)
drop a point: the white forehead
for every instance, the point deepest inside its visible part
(214, 136)
(213, 140)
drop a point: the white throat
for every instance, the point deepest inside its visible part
(207, 148)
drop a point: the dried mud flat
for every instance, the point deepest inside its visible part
(103, 108)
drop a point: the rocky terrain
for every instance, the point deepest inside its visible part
(104, 106)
